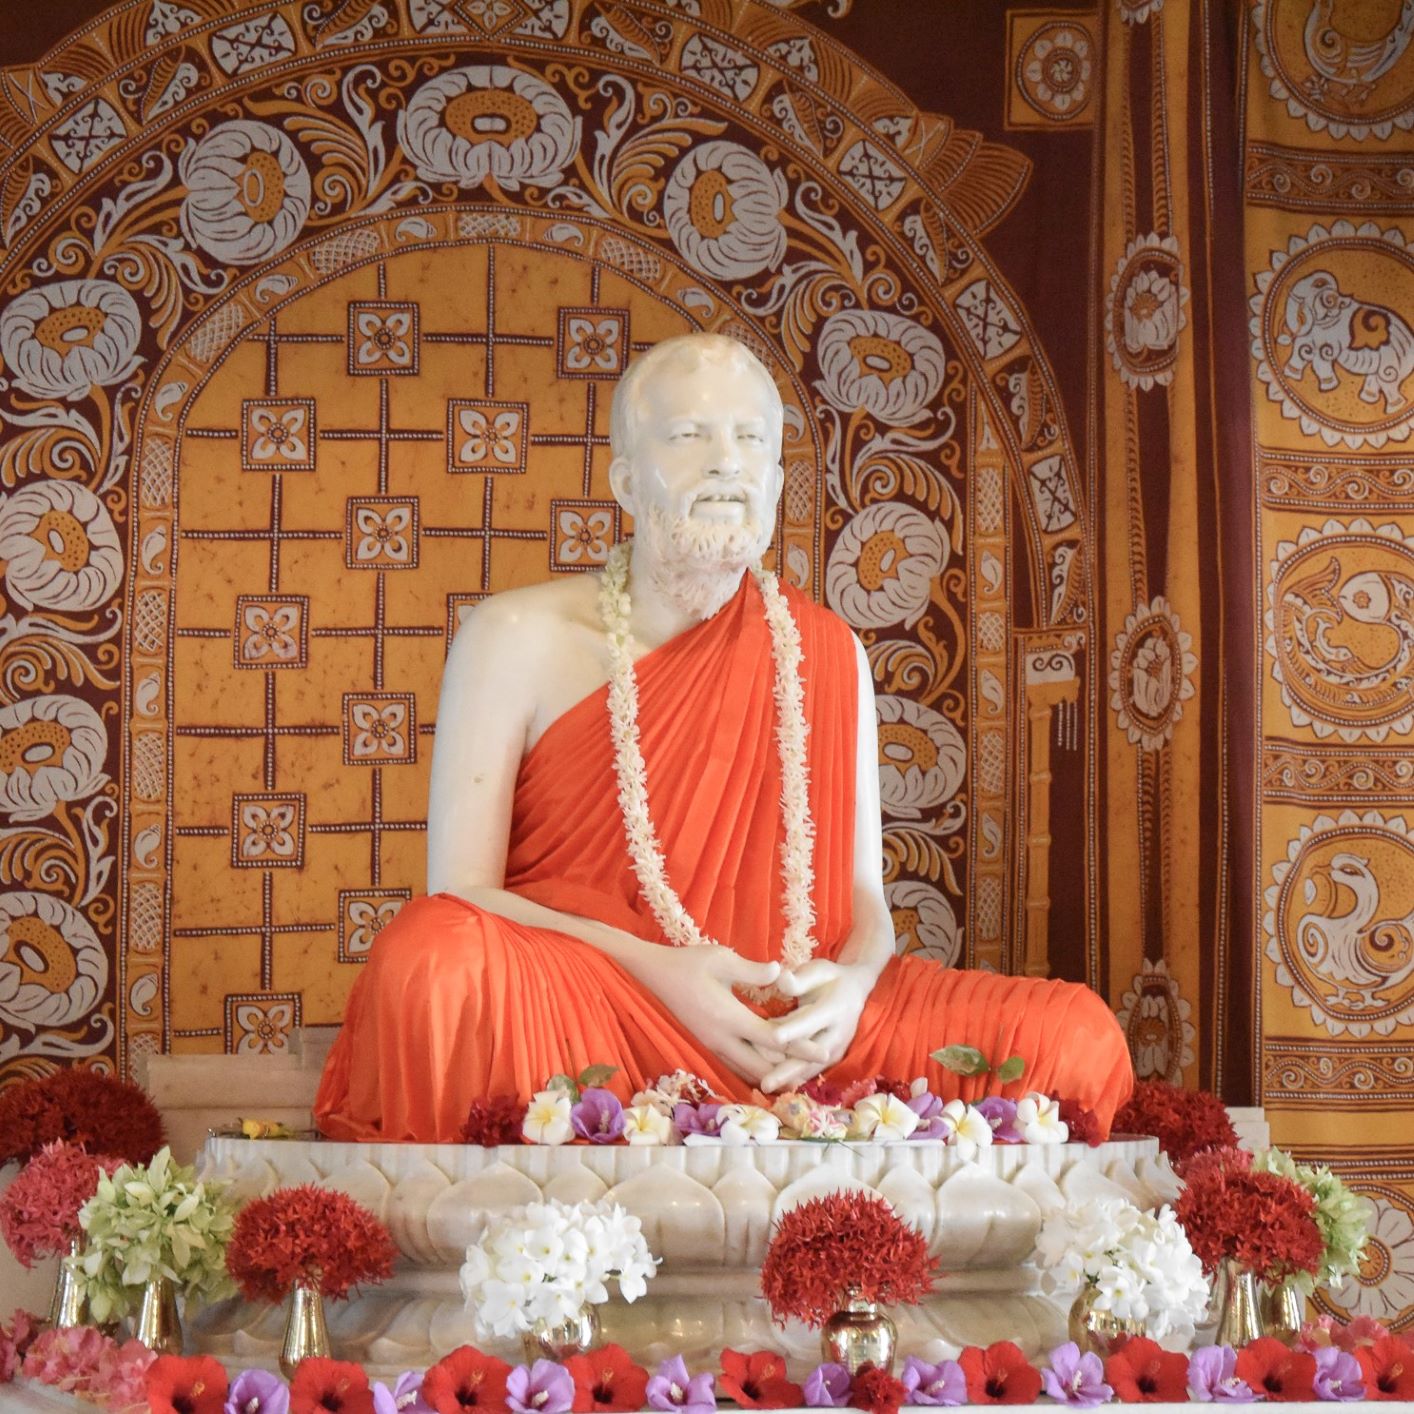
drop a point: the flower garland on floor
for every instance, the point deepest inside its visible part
(649, 865)
(1371, 1365)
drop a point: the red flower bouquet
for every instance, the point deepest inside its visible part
(1185, 1121)
(1000, 1374)
(843, 1244)
(1264, 1222)
(97, 1112)
(494, 1120)
(39, 1212)
(310, 1235)
(758, 1380)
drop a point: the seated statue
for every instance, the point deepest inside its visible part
(654, 830)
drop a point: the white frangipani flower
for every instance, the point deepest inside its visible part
(647, 1124)
(883, 1118)
(547, 1121)
(747, 1124)
(1038, 1119)
(968, 1130)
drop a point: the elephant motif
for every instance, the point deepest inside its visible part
(1328, 329)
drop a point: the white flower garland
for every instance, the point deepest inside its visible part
(649, 866)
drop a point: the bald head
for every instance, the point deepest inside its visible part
(685, 353)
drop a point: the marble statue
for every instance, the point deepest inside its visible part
(654, 829)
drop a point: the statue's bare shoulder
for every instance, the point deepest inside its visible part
(541, 643)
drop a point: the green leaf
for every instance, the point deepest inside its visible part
(962, 1060)
(1010, 1070)
(597, 1075)
(563, 1082)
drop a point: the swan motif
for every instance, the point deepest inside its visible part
(1358, 951)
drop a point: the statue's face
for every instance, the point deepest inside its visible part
(706, 448)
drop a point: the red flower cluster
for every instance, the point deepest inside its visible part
(196, 1384)
(464, 1380)
(39, 1212)
(828, 1246)
(317, 1235)
(1387, 1368)
(1263, 1221)
(1142, 1372)
(1083, 1124)
(607, 1379)
(322, 1386)
(1000, 1374)
(97, 1112)
(1276, 1372)
(495, 1120)
(758, 1381)
(876, 1390)
(1185, 1121)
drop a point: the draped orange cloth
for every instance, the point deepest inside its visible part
(456, 1003)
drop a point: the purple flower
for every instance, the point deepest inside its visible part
(925, 1104)
(672, 1388)
(696, 1119)
(1338, 1375)
(1076, 1379)
(598, 1117)
(1000, 1113)
(827, 1386)
(541, 1388)
(404, 1398)
(1212, 1376)
(935, 1128)
(258, 1392)
(943, 1383)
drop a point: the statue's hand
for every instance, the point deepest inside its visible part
(696, 985)
(837, 993)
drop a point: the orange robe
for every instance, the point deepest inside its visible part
(457, 1004)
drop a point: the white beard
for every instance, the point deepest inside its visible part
(697, 565)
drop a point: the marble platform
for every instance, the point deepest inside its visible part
(707, 1211)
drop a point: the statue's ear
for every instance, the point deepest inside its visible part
(621, 482)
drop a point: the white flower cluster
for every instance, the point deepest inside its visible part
(1140, 1264)
(545, 1261)
(649, 866)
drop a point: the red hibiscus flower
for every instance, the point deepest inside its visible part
(758, 1381)
(196, 1385)
(876, 1390)
(1276, 1370)
(1000, 1374)
(323, 1386)
(1143, 1373)
(1388, 1368)
(607, 1379)
(466, 1379)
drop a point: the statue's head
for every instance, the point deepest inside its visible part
(696, 430)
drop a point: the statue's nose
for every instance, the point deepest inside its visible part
(725, 459)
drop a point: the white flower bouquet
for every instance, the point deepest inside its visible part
(1140, 1264)
(150, 1221)
(546, 1261)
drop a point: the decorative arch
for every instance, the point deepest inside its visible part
(187, 185)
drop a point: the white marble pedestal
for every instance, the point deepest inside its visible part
(707, 1212)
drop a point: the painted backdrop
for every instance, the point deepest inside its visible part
(1096, 434)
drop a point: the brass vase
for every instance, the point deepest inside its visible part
(159, 1327)
(861, 1334)
(1283, 1310)
(1240, 1310)
(305, 1331)
(68, 1306)
(1098, 1332)
(558, 1340)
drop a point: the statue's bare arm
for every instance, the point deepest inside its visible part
(494, 678)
